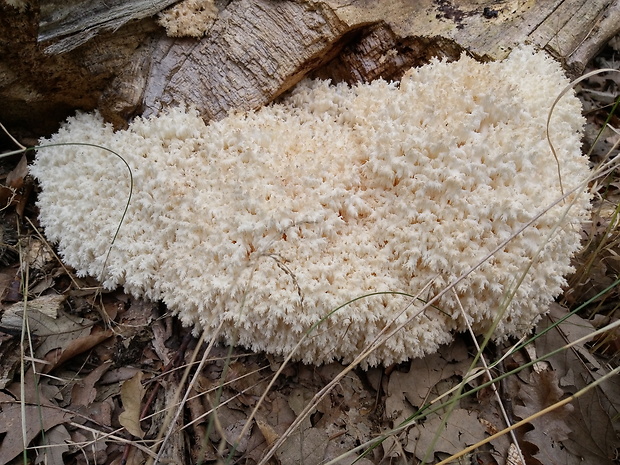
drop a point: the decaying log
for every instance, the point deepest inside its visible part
(254, 52)
(259, 48)
(120, 61)
(39, 90)
(572, 31)
(69, 24)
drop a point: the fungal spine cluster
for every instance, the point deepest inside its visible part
(269, 220)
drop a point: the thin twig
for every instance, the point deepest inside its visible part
(529, 419)
(178, 357)
(493, 387)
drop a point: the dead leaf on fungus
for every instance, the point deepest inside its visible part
(132, 393)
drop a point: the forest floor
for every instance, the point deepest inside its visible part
(92, 378)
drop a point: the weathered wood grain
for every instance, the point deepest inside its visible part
(70, 23)
(260, 48)
(62, 56)
(256, 50)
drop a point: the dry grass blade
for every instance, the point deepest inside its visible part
(487, 370)
(532, 417)
(169, 422)
(603, 169)
(557, 99)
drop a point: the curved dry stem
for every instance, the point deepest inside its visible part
(428, 304)
(538, 414)
(555, 102)
(427, 411)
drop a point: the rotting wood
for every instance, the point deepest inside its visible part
(571, 30)
(71, 23)
(221, 72)
(257, 49)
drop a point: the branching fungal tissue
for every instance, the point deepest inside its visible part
(267, 221)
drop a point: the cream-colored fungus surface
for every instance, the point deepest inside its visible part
(267, 221)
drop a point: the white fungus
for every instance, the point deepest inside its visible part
(268, 221)
(189, 18)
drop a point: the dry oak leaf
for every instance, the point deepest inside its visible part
(132, 393)
(83, 392)
(419, 385)
(40, 418)
(542, 392)
(461, 430)
(550, 429)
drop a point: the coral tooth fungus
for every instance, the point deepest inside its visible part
(269, 220)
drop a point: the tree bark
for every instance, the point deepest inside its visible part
(86, 54)
(67, 24)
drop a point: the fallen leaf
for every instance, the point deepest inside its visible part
(490, 416)
(76, 347)
(7, 275)
(136, 457)
(570, 330)
(461, 430)
(593, 436)
(95, 450)
(100, 412)
(42, 415)
(61, 336)
(37, 254)
(392, 448)
(56, 440)
(304, 447)
(542, 392)
(267, 431)
(132, 393)
(231, 435)
(10, 358)
(43, 313)
(547, 431)
(38, 418)
(15, 179)
(513, 457)
(84, 392)
(335, 450)
(410, 391)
